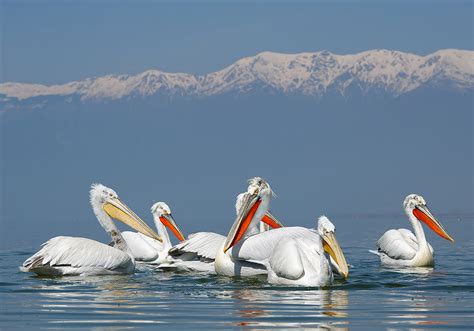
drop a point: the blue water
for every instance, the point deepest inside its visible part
(373, 298)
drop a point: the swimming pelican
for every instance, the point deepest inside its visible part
(150, 250)
(307, 257)
(252, 206)
(246, 253)
(198, 252)
(403, 248)
(81, 256)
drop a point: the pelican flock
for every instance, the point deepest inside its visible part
(198, 252)
(289, 255)
(256, 244)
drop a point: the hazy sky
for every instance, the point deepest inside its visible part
(55, 42)
(360, 159)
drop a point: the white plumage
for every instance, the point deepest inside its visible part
(143, 248)
(299, 262)
(78, 256)
(202, 244)
(246, 252)
(290, 265)
(399, 244)
(81, 256)
(252, 206)
(294, 255)
(151, 251)
(309, 259)
(403, 248)
(258, 248)
(199, 251)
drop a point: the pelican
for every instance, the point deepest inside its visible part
(198, 252)
(308, 258)
(403, 248)
(252, 206)
(62, 255)
(152, 251)
(246, 253)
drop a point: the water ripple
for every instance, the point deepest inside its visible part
(374, 297)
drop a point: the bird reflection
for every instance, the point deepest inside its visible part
(309, 307)
(415, 308)
(411, 270)
(99, 298)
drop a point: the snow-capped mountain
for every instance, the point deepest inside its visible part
(308, 74)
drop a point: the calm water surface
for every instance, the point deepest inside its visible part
(373, 298)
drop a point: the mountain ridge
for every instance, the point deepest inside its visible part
(312, 74)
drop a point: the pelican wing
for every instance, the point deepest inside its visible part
(398, 245)
(143, 248)
(203, 244)
(411, 239)
(285, 260)
(194, 266)
(259, 247)
(77, 252)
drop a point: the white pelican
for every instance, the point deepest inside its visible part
(82, 256)
(252, 207)
(198, 252)
(246, 253)
(306, 257)
(152, 251)
(403, 248)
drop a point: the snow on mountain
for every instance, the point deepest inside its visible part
(311, 74)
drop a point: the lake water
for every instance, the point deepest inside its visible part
(373, 298)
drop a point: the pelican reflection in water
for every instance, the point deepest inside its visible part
(261, 307)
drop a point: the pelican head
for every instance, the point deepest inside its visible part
(415, 205)
(162, 211)
(247, 206)
(327, 231)
(258, 185)
(105, 200)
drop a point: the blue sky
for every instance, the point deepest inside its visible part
(59, 41)
(359, 159)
